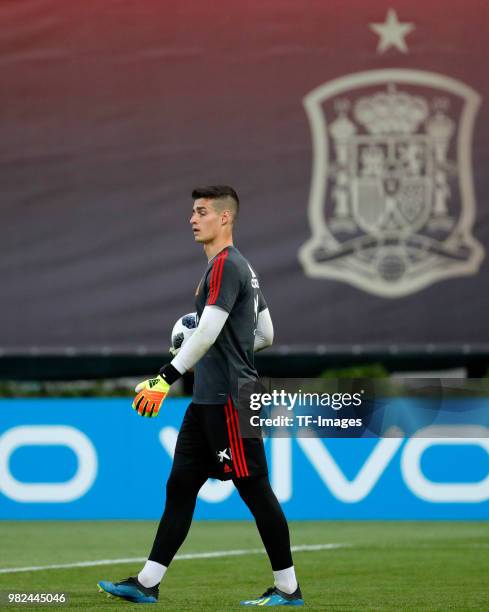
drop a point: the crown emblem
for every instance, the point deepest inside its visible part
(391, 112)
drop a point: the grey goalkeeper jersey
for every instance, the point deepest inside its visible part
(230, 283)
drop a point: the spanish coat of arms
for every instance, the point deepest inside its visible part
(392, 202)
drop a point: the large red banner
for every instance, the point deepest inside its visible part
(356, 134)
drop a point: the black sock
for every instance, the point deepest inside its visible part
(181, 494)
(258, 495)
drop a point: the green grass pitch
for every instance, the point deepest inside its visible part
(383, 566)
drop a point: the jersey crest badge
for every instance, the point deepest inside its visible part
(392, 204)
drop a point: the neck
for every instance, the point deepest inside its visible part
(213, 248)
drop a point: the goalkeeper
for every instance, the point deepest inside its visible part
(234, 322)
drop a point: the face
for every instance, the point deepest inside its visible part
(205, 221)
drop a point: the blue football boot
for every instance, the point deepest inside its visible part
(276, 597)
(131, 590)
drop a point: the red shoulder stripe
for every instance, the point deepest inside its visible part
(217, 287)
(217, 277)
(212, 279)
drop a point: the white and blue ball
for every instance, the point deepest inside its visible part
(182, 331)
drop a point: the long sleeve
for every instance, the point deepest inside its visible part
(264, 330)
(210, 325)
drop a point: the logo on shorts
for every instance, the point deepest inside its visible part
(224, 454)
(392, 201)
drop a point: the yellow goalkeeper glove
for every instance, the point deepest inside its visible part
(150, 396)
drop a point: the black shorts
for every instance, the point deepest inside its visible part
(210, 442)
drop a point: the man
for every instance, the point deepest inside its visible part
(234, 322)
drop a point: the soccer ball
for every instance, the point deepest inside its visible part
(182, 330)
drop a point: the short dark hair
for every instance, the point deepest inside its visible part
(215, 192)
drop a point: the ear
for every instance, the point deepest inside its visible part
(225, 217)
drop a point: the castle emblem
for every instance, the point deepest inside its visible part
(392, 202)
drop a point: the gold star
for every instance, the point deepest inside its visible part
(392, 32)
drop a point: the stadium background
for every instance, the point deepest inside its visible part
(111, 112)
